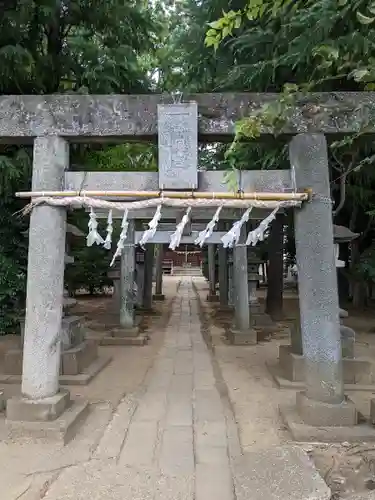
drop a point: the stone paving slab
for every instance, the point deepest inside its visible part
(278, 473)
(170, 441)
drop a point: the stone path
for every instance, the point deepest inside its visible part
(176, 439)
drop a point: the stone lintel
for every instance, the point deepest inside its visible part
(252, 180)
(106, 117)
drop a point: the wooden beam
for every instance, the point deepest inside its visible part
(89, 118)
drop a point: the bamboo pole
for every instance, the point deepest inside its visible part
(266, 196)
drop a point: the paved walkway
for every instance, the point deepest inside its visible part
(175, 440)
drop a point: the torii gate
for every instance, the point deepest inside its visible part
(53, 122)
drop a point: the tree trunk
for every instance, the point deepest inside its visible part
(274, 300)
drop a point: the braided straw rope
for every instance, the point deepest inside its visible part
(83, 201)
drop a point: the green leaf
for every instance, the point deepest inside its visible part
(238, 22)
(359, 74)
(364, 19)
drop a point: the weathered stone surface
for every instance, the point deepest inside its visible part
(322, 414)
(317, 274)
(114, 116)
(257, 180)
(278, 473)
(127, 270)
(45, 273)
(178, 146)
(22, 409)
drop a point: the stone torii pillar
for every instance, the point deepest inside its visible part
(212, 297)
(127, 266)
(323, 402)
(159, 273)
(148, 276)
(241, 333)
(42, 400)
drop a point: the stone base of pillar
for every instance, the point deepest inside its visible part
(159, 297)
(237, 337)
(54, 419)
(213, 298)
(310, 420)
(224, 309)
(359, 373)
(321, 414)
(125, 336)
(341, 416)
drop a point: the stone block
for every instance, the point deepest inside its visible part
(237, 337)
(372, 411)
(13, 362)
(2, 401)
(261, 320)
(321, 414)
(75, 360)
(158, 297)
(178, 146)
(347, 341)
(355, 371)
(42, 410)
(72, 333)
(61, 430)
(292, 365)
(358, 371)
(125, 332)
(278, 473)
(303, 432)
(213, 298)
(213, 481)
(140, 340)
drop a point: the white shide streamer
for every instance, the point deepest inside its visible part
(123, 235)
(258, 233)
(108, 240)
(233, 235)
(152, 226)
(93, 235)
(176, 236)
(206, 233)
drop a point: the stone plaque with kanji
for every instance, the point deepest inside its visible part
(178, 146)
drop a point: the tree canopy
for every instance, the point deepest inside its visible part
(137, 46)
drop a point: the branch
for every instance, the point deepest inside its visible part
(342, 179)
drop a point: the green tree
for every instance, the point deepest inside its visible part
(49, 47)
